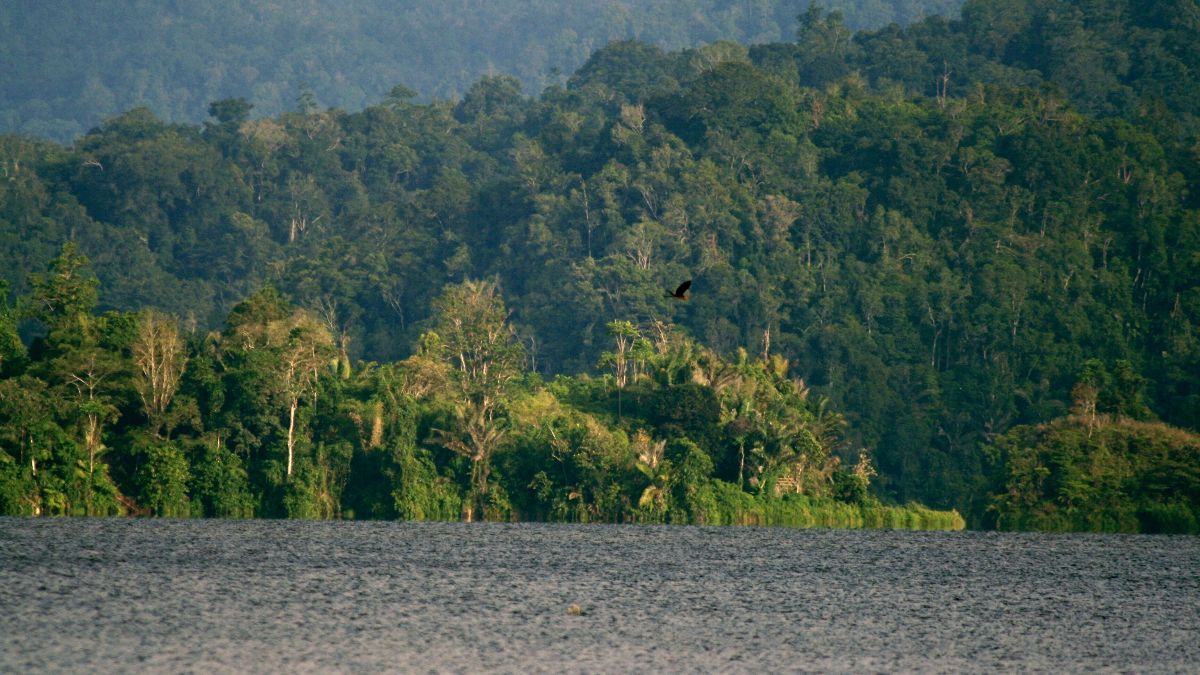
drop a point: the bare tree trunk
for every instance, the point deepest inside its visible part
(587, 219)
(943, 85)
(92, 440)
(741, 464)
(484, 472)
(291, 440)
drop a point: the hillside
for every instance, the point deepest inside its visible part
(935, 230)
(68, 66)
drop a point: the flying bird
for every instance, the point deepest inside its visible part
(681, 292)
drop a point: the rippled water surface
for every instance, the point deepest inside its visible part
(150, 595)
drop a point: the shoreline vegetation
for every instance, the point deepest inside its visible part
(951, 264)
(121, 414)
(739, 508)
(729, 506)
(802, 513)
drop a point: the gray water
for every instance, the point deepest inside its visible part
(88, 595)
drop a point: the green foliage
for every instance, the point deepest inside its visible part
(563, 464)
(849, 488)
(1102, 474)
(421, 493)
(70, 67)
(690, 410)
(65, 292)
(736, 507)
(968, 228)
(162, 478)
(219, 486)
(565, 453)
(17, 489)
(691, 481)
(12, 350)
(315, 491)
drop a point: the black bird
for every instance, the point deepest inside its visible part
(681, 292)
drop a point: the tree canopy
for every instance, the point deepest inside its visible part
(915, 241)
(68, 66)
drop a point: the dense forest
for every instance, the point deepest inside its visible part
(68, 66)
(122, 413)
(955, 263)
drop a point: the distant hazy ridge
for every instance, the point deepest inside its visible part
(67, 66)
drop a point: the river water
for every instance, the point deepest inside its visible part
(93, 595)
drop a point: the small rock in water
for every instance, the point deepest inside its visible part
(574, 610)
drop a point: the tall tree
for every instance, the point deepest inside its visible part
(160, 358)
(482, 350)
(308, 348)
(82, 360)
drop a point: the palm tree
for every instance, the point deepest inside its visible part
(650, 461)
(477, 437)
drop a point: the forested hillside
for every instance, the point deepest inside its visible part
(68, 66)
(968, 239)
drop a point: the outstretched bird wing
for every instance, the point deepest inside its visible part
(683, 288)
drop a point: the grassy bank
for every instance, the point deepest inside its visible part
(735, 507)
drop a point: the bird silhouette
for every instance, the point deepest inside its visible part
(681, 292)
